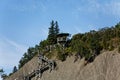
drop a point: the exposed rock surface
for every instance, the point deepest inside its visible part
(105, 67)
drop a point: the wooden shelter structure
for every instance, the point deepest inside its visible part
(62, 38)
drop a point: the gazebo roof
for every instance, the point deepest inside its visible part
(63, 34)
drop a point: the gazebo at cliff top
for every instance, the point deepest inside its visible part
(62, 38)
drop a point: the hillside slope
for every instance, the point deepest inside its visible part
(105, 67)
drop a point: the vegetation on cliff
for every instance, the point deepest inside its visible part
(86, 45)
(82, 44)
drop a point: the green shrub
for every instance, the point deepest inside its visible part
(49, 55)
(68, 51)
(89, 57)
(61, 56)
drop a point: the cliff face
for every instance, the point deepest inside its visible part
(105, 67)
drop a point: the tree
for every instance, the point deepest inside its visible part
(56, 28)
(31, 52)
(14, 69)
(53, 31)
(43, 44)
(21, 62)
(78, 45)
(37, 49)
(51, 35)
(1, 71)
(25, 55)
(3, 75)
(117, 30)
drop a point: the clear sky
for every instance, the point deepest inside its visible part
(24, 23)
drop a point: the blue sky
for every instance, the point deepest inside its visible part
(24, 23)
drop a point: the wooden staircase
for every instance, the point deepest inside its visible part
(43, 64)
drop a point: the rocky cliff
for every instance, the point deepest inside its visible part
(106, 66)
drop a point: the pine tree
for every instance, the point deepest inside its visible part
(51, 29)
(56, 28)
(51, 35)
(1, 71)
(14, 69)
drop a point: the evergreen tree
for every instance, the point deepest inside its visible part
(1, 71)
(2, 74)
(43, 44)
(51, 29)
(31, 52)
(51, 35)
(56, 28)
(117, 30)
(14, 69)
(20, 63)
(25, 55)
